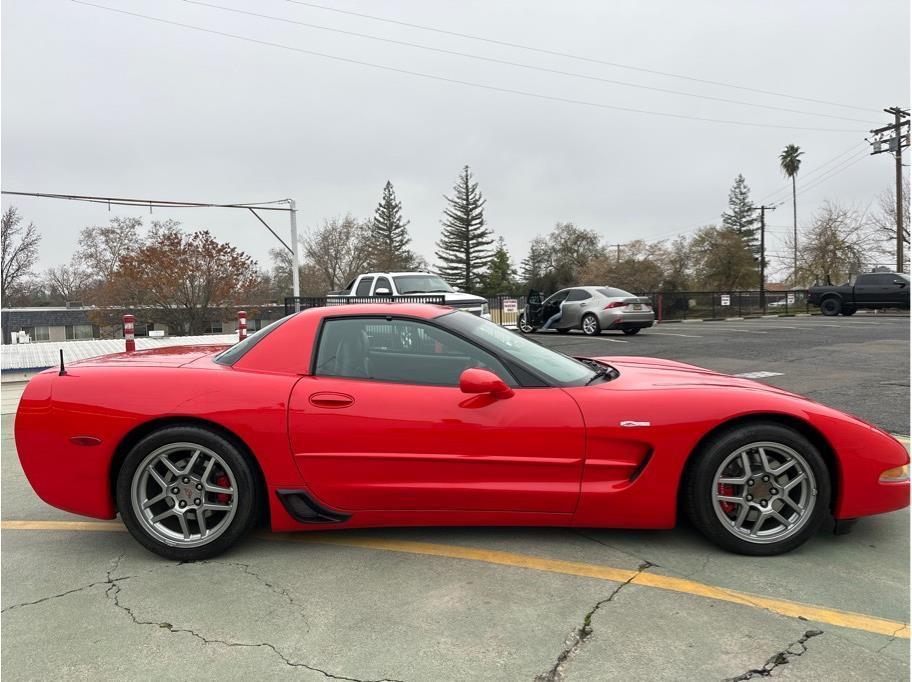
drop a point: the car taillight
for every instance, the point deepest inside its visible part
(615, 304)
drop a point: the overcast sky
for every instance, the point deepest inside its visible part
(96, 102)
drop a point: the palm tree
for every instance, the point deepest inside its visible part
(790, 162)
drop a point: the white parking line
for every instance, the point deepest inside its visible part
(689, 336)
(758, 375)
(615, 340)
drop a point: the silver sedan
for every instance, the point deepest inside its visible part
(591, 309)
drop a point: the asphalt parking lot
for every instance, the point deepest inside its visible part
(81, 599)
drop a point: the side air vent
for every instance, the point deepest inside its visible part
(304, 509)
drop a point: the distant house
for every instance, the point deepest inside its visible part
(49, 323)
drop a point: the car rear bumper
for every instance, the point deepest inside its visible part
(626, 320)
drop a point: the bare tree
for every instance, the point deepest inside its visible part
(339, 250)
(637, 268)
(840, 242)
(883, 218)
(101, 247)
(67, 282)
(20, 250)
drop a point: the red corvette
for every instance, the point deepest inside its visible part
(381, 415)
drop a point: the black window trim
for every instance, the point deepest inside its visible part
(508, 363)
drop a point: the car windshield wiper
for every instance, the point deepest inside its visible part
(599, 369)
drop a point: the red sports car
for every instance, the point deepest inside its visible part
(406, 415)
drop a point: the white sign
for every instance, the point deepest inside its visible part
(726, 299)
(509, 305)
(790, 298)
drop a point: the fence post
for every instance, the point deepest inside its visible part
(129, 335)
(660, 307)
(242, 325)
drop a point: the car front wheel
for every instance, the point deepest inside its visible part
(187, 493)
(523, 326)
(849, 310)
(631, 332)
(760, 489)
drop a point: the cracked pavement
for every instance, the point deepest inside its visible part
(97, 605)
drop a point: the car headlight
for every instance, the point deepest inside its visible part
(895, 475)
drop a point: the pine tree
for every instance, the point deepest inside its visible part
(501, 275)
(389, 238)
(464, 245)
(742, 216)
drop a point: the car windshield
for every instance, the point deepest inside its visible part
(555, 366)
(421, 284)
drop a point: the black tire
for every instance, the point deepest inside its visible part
(247, 503)
(593, 329)
(701, 476)
(831, 306)
(849, 310)
(523, 328)
(631, 332)
(563, 331)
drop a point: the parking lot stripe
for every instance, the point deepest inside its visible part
(689, 336)
(819, 614)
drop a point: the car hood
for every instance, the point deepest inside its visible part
(166, 356)
(452, 297)
(643, 373)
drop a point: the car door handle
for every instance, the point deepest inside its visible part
(331, 400)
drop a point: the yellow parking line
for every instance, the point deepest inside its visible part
(819, 614)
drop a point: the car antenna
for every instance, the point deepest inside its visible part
(62, 371)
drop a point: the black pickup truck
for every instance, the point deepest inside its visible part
(869, 290)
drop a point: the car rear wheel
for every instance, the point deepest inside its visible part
(590, 325)
(631, 332)
(830, 307)
(760, 489)
(186, 493)
(523, 326)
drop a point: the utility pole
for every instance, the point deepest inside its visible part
(295, 261)
(763, 210)
(892, 138)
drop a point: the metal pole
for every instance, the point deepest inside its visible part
(899, 186)
(295, 261)
(129, 336)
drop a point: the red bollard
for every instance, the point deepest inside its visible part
(129, 336)
(242, 325)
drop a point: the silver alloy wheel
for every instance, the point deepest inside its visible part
(764, 492)
(179, 494)
(590, 324)
(524, 326)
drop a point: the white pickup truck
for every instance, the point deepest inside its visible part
(394, 284)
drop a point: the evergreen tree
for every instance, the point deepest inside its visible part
(464, 245)
(501, 275)
(742, 217)
(389, 237)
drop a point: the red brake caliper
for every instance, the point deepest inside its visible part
(222, 481)
(727, 490)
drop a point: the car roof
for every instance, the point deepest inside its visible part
(420, 310)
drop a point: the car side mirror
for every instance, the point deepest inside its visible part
(477, 380)
(900, 282)
(382, 291)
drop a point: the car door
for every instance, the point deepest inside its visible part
(867, 290)
(533, 308)
(575, 305)
(381, 424)
(552, 305)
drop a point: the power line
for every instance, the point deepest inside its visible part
(521, 65)
(419, 74)
(148, 203)
(785, 189)
(568, 55)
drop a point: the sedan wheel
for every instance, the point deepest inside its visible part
(761, 489)
(524, 327)
(591, 326)
(186, 493)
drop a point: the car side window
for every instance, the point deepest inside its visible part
(364, 286)
(348, 287)
(558, 297)
(399, 351)
(383, 283)
(578, 295)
